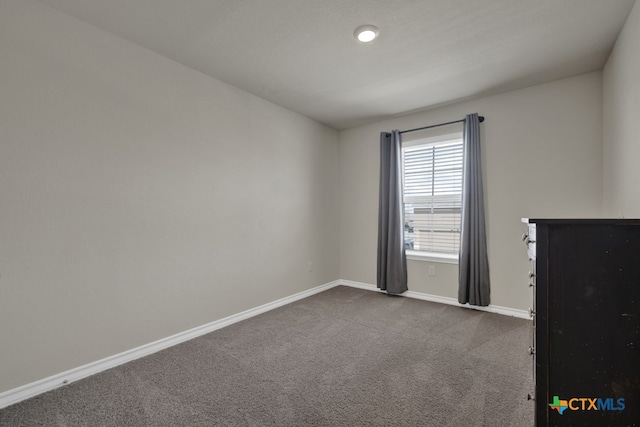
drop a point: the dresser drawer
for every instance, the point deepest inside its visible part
(529, 239)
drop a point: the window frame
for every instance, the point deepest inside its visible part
(419, 255)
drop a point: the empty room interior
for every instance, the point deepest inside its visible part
(173, 169)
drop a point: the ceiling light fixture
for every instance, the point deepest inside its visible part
(366, 33)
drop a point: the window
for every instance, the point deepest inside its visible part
(432, 196)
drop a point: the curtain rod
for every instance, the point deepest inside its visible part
(480, 119)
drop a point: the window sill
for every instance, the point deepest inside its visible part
(431, 257)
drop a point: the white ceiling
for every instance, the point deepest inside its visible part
(301, 54)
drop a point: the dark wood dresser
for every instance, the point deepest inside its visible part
(586, 350)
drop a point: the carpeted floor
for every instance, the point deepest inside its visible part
(344, 357)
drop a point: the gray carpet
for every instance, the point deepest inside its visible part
(344, 357)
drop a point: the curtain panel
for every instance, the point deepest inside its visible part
(392, 261)
(474, 286)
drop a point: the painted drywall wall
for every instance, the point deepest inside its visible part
(141, 198)
(542, 157)
(621, 141)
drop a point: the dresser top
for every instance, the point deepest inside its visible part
(582, 221)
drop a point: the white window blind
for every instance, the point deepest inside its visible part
(432, 196)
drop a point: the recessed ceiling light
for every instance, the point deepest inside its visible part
(366, 33)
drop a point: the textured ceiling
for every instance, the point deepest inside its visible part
(301, 54)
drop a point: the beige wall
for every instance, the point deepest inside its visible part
(141, 198)
(542, 158)
(622, 123)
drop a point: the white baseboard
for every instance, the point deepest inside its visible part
(443, 300)
(47, 384)
(30, 390)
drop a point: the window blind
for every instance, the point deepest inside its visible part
(432, 196)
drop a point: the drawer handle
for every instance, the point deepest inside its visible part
(531, 284)
(531, 312)
(532, 275)
(532, 350)
(526, 239)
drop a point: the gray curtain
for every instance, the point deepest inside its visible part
(474, 264)
(392, 262)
